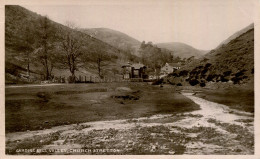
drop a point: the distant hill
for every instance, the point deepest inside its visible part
(232, 62)
(235, 35)
(18, 19)
(182, 50)
(115, 38)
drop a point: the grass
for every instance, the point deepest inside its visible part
(136, 141)
(235, 98)
(35, 108)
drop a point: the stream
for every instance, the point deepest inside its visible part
(232, 130)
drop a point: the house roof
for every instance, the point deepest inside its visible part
(126, 65)
(137, 65)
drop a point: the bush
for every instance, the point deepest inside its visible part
(240, 73)
(157, 82)
(223, 79)
(193, 82)
(244, 77)
(204, 71)
(174, 74)
(210, 78)
(179, 84)
(193, 72)
(183, 73)
(236, 80)
(218, 78)
(208, 65)
(202, 84)
(200, 67)
(227, 73)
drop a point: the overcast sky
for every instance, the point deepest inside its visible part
(202, 24)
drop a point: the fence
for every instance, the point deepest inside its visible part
(88, 79)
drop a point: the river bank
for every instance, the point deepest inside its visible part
(213, 129)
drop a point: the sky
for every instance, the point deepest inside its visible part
(203, 24)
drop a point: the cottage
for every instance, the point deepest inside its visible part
(134, 71)
(169, 68)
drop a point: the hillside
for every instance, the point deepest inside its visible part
(232, 63)
(22, 26)
(182, 50)
(114, 38)
(235, 35)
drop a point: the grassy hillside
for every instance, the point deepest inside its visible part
(115, 38)
(237, 34)
(182, 50)
(232, 63)
(22, 24)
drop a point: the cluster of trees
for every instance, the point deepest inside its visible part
(154, 57)
(56, 46)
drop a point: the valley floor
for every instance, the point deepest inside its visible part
(134, 118)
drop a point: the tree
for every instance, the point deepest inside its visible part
(46, 46)
(26, 44)
(154, 57)
(72, 46)
(99, 56)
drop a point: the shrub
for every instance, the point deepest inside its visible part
(174, 74)
(183, 73)
(208, 65)
(200, 67)
(236, 80)
(193, 72)
(179, 84)
(194, 82)
(210, 78)
(240, 73)
(223, 79)
(227, 73)
(202, 84)
(204, 71)
(157, 82)
(244, 77)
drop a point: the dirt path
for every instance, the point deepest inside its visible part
(33, 85)
(215, 129)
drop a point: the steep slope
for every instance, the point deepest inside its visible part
(182, 50)
(19, 19)
(233, 63)
(235, 35)
(114, 38)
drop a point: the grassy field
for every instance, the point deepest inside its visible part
(235, 98)
(35, 108)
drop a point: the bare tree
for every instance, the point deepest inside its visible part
(46, 44)
(72, 46)
(100, 57)
(27, 44)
